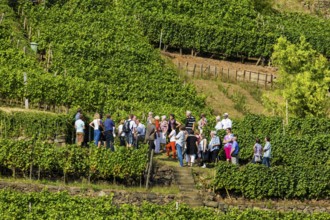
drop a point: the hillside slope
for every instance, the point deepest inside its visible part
(91, 54)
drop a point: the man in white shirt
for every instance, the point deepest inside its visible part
(218, 126)
(226, 122)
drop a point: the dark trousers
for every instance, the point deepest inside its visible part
(109, 140)
(214, 155)
(266, 161)
(137, 140)
(122, 141)
(151, 148)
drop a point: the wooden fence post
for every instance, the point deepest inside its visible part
(209, 73)
(250, 76)
(215, 72)
(221, 73)
(271, 80)
(228, 73)
(194, 70)
(244, 76)
(258, 79)
(236, 75)
(202, 71)
(266, 81)
(187, 69)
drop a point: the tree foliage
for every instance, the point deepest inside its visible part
(304, 77)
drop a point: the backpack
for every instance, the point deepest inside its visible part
(126, 126)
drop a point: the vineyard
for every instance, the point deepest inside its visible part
(60, 205)
(90, 54)
(234, 28)
(300, 152)
(100, 56)
(36, 159)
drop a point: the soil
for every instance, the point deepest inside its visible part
(233, 65)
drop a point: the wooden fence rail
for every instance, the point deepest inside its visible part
(216, 72)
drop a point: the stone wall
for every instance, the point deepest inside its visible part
(212, 200)
(162, 175)
(119, 196)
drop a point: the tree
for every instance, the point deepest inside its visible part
(304, 77)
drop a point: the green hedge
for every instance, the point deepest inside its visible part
(290, 182)
(37, 124)
(302, 141)
(230, 27)
(72, 160)
(45, 205)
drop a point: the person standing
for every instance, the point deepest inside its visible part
(121, 133)
(77, 116)
(129, 129)
(203, 150)
(267, 153)
(180, 139)
(202, 123)
(257, 151)
(192, 144)
(164, 129)
(171, 144)
(141, 132)
(218, 125)
(173, 124)
(150, 116)
(214, 146)
(157, 135)
(109, 126)
(150, 135)
(79, 126)
(235, 151)
(226, 122)
(190, 122)
(228, 143)
(96, 124)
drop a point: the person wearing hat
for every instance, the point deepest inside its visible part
(218, 126)
(226, 122)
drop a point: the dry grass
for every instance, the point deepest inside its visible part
(10, 110)
(304, 6)
(220, 103)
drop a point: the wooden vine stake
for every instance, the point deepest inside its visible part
(2, 16)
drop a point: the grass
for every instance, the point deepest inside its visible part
(84, 186)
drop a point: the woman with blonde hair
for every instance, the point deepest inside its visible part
(96, 124)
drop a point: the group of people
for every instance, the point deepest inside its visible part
(169, 135)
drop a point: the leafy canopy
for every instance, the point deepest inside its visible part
(304, 77)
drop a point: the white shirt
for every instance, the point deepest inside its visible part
(96, 123)
(180, 138)
(132, 125)
(218, 126)
(268, 148)
(172, 136)
(80, 124)
(226, 123)
(120, 130)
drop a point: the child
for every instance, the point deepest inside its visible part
(171, 144)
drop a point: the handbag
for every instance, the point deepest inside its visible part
(257, 158)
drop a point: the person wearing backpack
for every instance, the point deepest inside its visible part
(129, 127)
